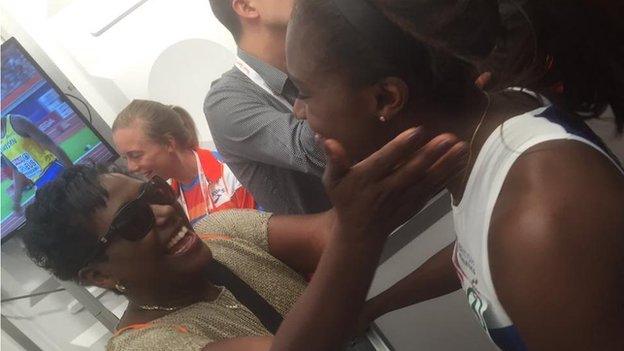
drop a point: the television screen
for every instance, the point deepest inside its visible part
(42, 133)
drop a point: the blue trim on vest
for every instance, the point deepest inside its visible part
(507, 339)
(217, 155)
(579, 128)
(191, 185)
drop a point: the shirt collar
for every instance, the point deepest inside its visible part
(274, 78)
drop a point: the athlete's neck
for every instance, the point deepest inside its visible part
(501, 108)
(268, 45)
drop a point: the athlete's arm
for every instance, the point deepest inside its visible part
(299, 241)
(556, 248)
(326, 313)
(19, 183)
(436, 277)
(23, 127)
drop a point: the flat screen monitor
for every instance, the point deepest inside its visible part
(42, 133)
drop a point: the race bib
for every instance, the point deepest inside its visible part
(27, 165)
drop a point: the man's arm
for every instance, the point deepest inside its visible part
(556, 249)
(248, 128)
(436, 277)
(25, 128)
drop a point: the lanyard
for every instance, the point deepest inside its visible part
(259, 81)
(203, 184)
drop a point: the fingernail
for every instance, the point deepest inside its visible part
(464, 149)
(415, 133)
(444, 146)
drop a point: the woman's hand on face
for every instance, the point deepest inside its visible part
(378, 194)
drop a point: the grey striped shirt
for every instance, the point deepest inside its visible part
(272, 153)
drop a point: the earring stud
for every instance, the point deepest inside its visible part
(120, 288)
(382, 118)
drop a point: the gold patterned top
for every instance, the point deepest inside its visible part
(239, 240)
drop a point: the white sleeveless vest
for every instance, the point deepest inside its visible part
(472, 215)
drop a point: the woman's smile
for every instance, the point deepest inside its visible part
(182, 242)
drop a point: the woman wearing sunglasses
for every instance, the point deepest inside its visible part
(228, 283)
(156, 139)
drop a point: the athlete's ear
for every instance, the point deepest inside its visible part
(483, 80)
(392, 95)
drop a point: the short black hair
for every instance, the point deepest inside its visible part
(224, 12)
(567, 50)
(431, 70)
(59, 233)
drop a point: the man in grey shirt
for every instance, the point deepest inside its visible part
(249, 112)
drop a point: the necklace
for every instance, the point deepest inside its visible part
(474, 135)
(175, 308)
(158, 308)
(231, 306)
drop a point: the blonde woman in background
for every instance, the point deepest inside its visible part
(156, 139)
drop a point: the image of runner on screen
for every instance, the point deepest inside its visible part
(32, 155)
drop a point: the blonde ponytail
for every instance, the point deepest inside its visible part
(189, 124)
(160, 121)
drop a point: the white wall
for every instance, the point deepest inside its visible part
(115, 67)
(27, 20)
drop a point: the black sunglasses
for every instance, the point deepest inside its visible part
(135, 219)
